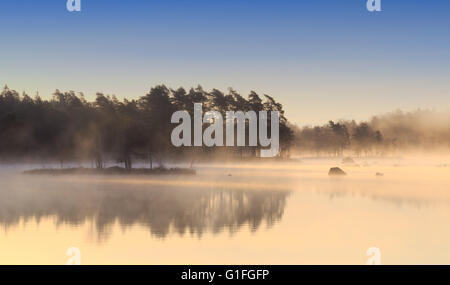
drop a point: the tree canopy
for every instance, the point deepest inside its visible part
(69, 128)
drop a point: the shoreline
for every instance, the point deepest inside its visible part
(115, 170)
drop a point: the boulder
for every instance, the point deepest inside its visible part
(336, 171)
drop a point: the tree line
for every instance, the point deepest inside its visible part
(395, 132)
(334, 138)
(69, 128)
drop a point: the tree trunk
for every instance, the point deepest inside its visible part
(99, 161)
(128, 163)
(150, 160)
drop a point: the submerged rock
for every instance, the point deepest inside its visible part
(348, 160)
(336, 171)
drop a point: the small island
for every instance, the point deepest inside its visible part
(110, 171)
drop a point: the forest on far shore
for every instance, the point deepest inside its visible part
(391, 133)
(70, 129)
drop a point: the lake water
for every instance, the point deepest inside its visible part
(283, 213)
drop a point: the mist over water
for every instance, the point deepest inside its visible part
(233, 213)
(166, 204)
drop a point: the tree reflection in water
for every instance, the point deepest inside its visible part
(163, 209)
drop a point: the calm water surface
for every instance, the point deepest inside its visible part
(284, 213)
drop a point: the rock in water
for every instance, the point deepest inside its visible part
(336, 171)
(348, 160)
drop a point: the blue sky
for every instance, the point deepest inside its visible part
(324, 59)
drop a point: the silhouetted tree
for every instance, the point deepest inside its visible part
(68, 128)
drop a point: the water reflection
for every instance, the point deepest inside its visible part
(162, 209)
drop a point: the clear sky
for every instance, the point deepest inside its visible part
(323, 59)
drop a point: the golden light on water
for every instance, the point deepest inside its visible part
(284, 214)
